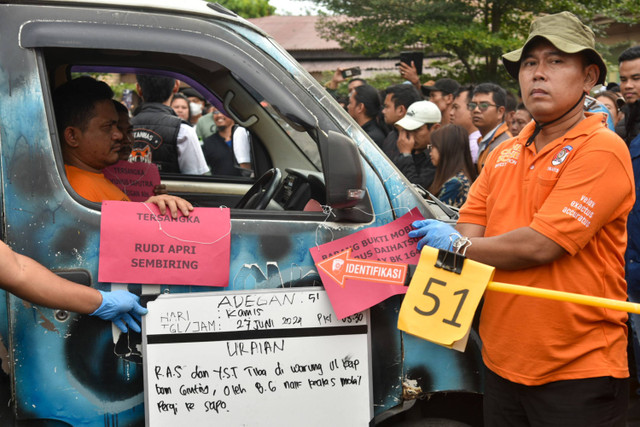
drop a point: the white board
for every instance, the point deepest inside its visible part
(259, 358)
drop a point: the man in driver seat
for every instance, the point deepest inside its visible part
(87, 123)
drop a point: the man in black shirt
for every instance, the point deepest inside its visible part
(364, 107)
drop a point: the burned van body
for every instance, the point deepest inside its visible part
(68, 369)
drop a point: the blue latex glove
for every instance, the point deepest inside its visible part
(434, 233)
(122, 308)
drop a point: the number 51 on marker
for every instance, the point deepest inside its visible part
(439, 305)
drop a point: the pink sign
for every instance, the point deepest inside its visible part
(135, 179)
(388, 243)
(138, 245)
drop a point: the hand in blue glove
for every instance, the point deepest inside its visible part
(436, 234)
(122, 308)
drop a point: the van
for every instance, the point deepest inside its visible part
(69, 370)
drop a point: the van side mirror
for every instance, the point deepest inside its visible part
(343, 174)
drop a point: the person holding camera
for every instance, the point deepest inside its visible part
(341, 75)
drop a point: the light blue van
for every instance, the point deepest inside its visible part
(65, 369)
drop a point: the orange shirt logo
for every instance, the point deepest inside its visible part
(509, 155)
(562, 155)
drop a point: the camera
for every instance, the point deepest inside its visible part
(351, 72)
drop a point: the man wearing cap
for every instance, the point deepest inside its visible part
(442, 93)
(414, 139)
(488, 109)
(549, 211)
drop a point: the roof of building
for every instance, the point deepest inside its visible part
(295, 33)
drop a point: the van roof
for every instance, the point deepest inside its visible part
(198, 7)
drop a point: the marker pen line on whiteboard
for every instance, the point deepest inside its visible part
(257, 334)
(186, 240)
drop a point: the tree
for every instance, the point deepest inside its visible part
(469, 35)
(248, 8)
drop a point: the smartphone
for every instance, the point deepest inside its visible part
(416, 57)
(351, 72)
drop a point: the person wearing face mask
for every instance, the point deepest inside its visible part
(163, 137)
(196, 104)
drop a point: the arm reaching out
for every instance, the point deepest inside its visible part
(29, 280)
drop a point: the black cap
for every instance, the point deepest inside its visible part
(189, 91)
(446, 86)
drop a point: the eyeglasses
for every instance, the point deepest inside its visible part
(484, 106)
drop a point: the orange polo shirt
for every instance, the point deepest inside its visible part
(93, 186)
(577, 191)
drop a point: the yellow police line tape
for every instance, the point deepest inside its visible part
(565, 296)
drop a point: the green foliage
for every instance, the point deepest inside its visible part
(468, 35)
(117, 88)
(248, 8)
(379, 81)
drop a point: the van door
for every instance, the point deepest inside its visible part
(72, 368)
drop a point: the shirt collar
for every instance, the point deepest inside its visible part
(488, 136)
(592, 122)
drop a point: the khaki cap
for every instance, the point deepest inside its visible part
(565, 31)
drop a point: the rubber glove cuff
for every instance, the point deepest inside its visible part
(434, 233)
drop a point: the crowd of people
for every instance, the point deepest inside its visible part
(402, 119)
(545, 187)
(546, 184)
(486, 113)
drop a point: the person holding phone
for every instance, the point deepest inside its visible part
(341, 75)
(410, 66)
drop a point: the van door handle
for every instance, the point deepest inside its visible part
(80, 276)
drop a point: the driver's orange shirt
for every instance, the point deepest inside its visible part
(93, 186)
(577, 192)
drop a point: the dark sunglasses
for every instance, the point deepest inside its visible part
(484, 106)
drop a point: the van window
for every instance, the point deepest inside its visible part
(274, 140)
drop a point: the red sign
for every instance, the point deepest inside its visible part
(385, 245)
(341, 266)
(138, 245)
